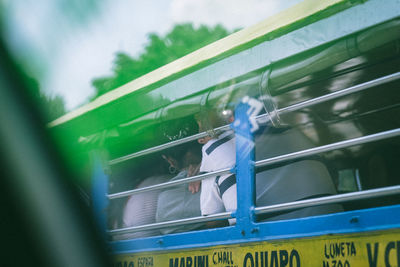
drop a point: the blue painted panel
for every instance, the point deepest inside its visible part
(346, 222)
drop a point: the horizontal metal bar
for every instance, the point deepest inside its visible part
(165, 146)
(295, 107)
(266, 162)
(330, 147)
(169, 184)
(334, 95)
(340, 93)
(199, 219)
(359, 195)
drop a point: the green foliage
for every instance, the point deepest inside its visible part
(55, 106)
(51, 108)
(160, 50)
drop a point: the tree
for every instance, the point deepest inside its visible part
(181, 40)
(50, 107)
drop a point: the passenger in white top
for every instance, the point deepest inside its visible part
(218, 194)
(302, 179)
(140, 209)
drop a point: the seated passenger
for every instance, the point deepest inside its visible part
(181, 201)
(218, 194)
(302, 179)
(140, 209)
(299, 180)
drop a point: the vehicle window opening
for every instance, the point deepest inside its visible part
(302, 125)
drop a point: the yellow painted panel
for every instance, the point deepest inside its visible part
(367, 249)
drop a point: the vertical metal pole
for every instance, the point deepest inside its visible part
(358, 179)
(99, 193)
(244, 169)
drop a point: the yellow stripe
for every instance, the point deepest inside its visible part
(298, 12)
(368, 249)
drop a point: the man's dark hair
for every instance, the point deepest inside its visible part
(185, 154)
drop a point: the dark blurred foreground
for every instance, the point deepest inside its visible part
(44, 221)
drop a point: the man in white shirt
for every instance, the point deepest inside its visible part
(218, 194)
(303, 179)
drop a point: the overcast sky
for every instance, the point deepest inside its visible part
(66, 51)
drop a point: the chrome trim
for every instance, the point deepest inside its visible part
(358, 195)
(269, 161)
(330, 147)
(340, 93)
(166, 145)
(199, 219)
(168, 184)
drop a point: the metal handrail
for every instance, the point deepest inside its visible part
(166, 145)
(291, 156)
(169, 184)
(353, 196)
(359, 195)
(199, 219)
(269, 161)
(350, 90)
(330, 147)
(294, 107)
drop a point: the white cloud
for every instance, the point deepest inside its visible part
(230, 13)
(88, 52)
(26, 38)
(71, 57)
